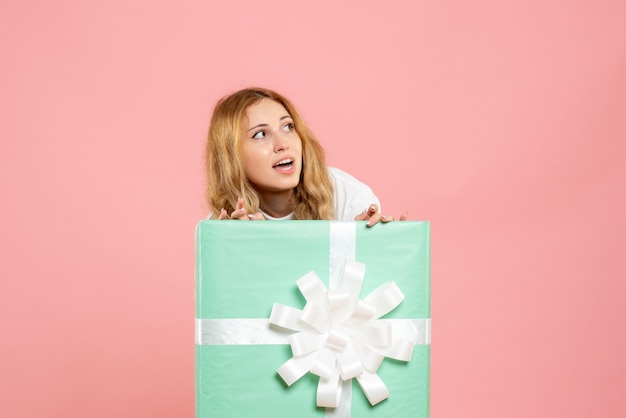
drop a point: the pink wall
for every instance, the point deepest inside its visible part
(504, 123)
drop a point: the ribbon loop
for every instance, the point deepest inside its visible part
(349, 364)
(315, 316)
(375, 333)
(324, 365)
(373, 387)
(286, 317)
(305, 342)
(385, 298)
(329, 391)
(296, 367)
(352, 275)
(370, 359)
(312, 287)
(337, 340)
(400, 349)
(341, 305)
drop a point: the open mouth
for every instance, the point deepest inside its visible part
(285, 164)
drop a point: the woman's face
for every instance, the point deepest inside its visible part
(272, 149)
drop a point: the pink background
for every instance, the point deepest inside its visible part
(503, 123)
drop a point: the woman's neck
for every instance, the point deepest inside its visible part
(278, 205)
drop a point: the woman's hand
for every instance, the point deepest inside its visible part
(241, 213)
(373, 216)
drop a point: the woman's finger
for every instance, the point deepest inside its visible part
(374, 219)
(256, 216)
(386, 218)
(361, 217)
(240, 211)
(240, 214)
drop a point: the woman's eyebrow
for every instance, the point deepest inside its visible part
(265, 124)
(257, 126)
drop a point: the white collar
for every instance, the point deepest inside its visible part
(288, 217)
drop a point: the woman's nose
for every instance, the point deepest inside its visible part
(280, 143)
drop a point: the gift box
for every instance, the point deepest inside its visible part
(244, 268)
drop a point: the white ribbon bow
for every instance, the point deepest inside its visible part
(340, 337)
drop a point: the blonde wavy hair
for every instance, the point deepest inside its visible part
(224, 162)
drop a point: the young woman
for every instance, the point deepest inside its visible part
(264, 163)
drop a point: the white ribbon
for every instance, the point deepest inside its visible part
(257, 331)
(337, 336)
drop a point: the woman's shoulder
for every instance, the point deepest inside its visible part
(351, 195)
(340, 176)
(342, 179)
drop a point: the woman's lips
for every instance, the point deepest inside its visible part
(285, 165)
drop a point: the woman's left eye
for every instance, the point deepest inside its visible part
(288, 127)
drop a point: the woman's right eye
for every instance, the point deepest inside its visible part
(259, 135)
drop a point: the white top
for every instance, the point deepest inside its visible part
(351, 197)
